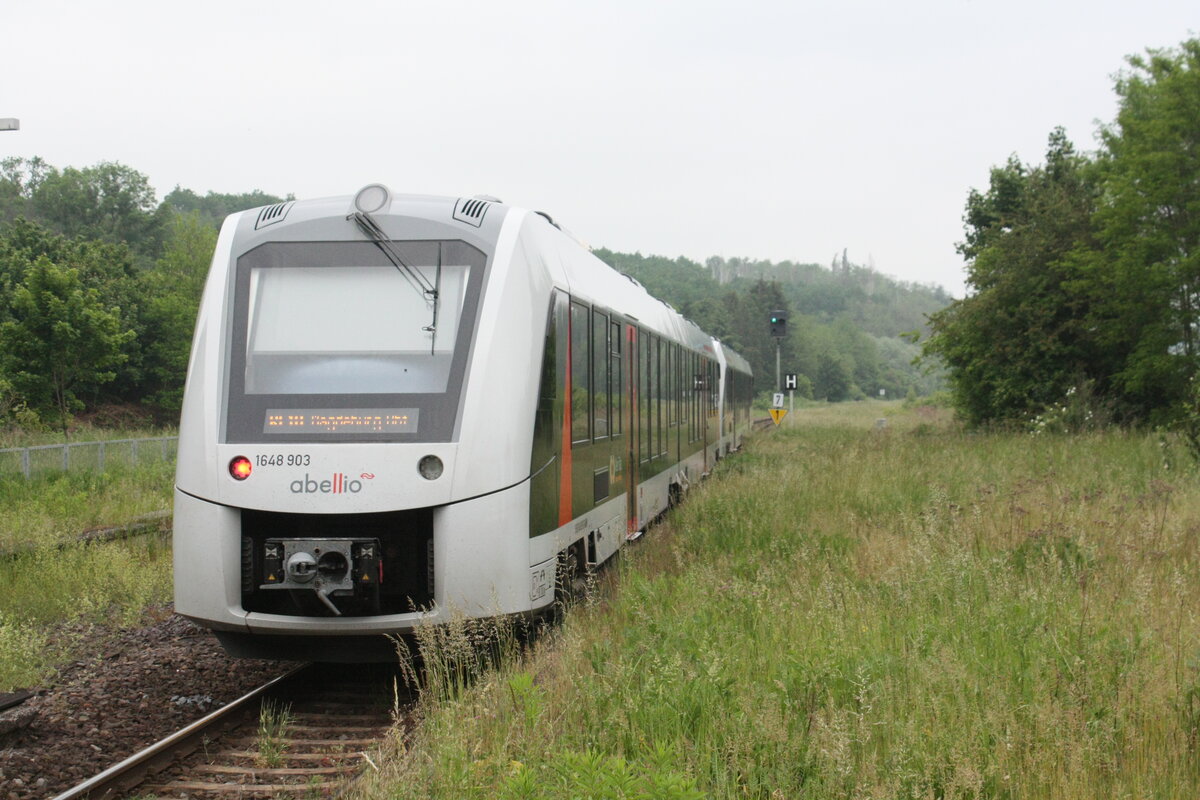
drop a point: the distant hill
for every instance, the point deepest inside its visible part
(845, 320)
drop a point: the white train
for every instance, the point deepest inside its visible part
(401, 408)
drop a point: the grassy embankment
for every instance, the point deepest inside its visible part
(846, 612)
(53, 589)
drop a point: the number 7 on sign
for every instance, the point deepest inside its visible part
(777, 410)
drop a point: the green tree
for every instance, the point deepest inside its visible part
(109, 202)
(172, 291)
(1145, 273)
(680, 281)
(60, 340)
(19, 178)
(751, 328)
(833, 380)
(1087, 273)
(213, 207)
(860, 350)
(1025, 335)
(713, 314)
(106, 267)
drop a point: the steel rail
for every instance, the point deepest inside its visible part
(124, 776)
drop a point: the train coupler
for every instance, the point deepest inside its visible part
(327, 567)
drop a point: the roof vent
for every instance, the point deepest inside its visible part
(470, 211)
(272, 214)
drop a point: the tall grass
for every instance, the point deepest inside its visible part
(56, 507)
(53, 588)
(120, 426)
(275, 720)
(57, 603)
(845, 612)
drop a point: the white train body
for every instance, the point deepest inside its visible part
(420, 437)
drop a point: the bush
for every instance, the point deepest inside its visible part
(1080, 410)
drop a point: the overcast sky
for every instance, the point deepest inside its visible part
(779, 130)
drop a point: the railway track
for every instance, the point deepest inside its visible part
(303, 734)
(333, 716)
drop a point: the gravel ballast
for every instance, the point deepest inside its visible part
(141, 685)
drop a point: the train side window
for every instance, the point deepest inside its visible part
(600, 390)
(660, 440)
(617, 387)
(656, 410)
(581, 393)
(643, 408)
(693, 398)
(714, 387)
(676, 353)
(633, 370)
(678, 392)
(689, 391)
(651, 396)
(668, 383)
(708, 393)
(680, 397)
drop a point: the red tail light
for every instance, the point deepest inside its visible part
(240, 468)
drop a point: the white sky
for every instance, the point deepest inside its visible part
(760, 129)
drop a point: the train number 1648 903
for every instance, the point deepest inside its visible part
(282, 460)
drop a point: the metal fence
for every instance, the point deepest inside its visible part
(86, 455)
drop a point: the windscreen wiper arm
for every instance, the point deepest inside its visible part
(419, 282)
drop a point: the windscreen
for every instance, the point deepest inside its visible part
(333, 340)
(352, 329)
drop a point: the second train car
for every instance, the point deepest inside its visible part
(401, 408)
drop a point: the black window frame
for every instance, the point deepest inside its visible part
(245, 414)
(580, 342)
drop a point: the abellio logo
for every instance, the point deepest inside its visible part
(338, 484)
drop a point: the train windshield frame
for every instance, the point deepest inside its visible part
(331, 341)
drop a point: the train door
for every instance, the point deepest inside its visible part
(633, 430)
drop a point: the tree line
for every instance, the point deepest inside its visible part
(100, 284)
(846, 323)
(1084, 271)
(99, 288)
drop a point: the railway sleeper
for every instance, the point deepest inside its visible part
(237, 789)
(274, 772)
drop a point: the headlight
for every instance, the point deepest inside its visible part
(430, 468)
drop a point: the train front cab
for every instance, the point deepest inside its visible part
(286, 376)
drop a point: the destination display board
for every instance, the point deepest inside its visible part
(341, 420)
